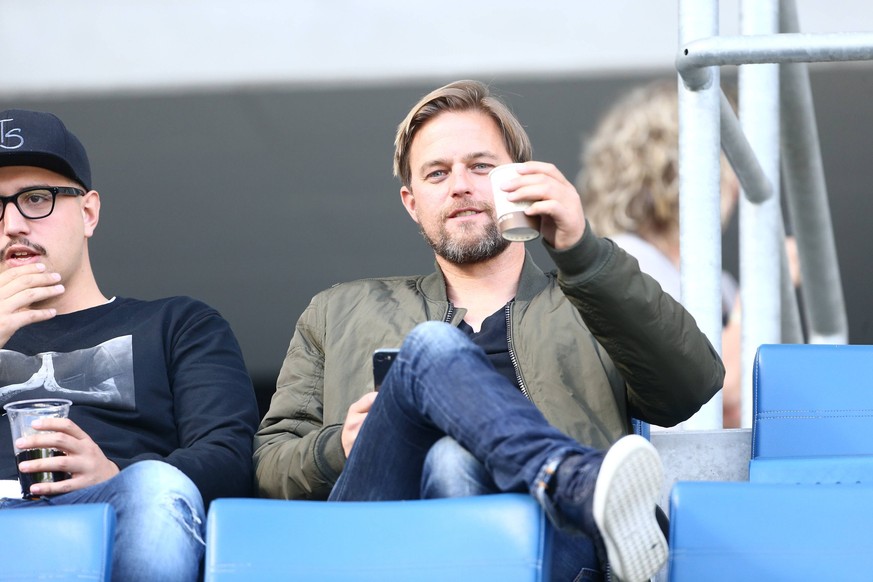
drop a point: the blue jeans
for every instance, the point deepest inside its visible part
(442, 384)
(451, 471)
(159, 521)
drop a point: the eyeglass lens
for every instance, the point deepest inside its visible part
(35, 203)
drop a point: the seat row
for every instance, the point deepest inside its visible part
(496, 537)
(805, 513)
(807, 509)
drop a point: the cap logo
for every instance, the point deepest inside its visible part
(11, 139)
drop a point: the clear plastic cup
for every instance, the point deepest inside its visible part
(21, 416)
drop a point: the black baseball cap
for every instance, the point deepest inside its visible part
(34, 138)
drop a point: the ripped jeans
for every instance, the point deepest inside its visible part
(160, 521)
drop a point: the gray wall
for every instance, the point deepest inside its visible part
(255, 200)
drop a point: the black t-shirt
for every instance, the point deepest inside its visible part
(161, 380)
(494, 340)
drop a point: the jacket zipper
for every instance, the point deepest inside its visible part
(521, 385)
(450, 313)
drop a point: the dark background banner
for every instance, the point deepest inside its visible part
(254, 200)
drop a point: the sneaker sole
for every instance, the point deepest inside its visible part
(627, 490)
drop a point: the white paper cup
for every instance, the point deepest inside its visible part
(513, 223)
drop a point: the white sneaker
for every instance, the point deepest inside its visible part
(628, 489)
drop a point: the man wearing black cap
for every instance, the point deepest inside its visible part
(163, 409)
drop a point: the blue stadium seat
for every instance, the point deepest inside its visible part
(70, 542)
(813, 414)
(494, 537)
(728, 531)
(807, 510)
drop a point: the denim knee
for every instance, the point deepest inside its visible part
(161, 525)
(437, 339)
(450, 470)
(152, 479)
(151, 488)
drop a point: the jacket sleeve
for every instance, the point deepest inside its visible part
(296, 456)
(669, 366)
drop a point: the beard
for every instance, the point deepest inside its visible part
(468, 246)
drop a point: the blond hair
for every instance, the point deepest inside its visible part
(459, 96)
(630, 166)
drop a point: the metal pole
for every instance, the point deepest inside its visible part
(760, 224)
(739, 153)
(792, 331)
(696, 58)
(699, 187)
(757, 189)
(806, 195)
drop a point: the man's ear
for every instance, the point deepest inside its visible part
(91, 212)
(408, 199)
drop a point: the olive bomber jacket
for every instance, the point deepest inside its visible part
(597, 342)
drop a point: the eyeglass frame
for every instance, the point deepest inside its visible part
(55, 191)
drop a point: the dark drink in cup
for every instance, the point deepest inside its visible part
(28, 479)
(21, 415)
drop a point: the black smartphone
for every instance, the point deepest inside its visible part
(382, 360)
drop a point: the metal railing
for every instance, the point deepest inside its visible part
(775, 130)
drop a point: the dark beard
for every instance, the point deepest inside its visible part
(488, 246)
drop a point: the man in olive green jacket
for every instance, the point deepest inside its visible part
(591, 346)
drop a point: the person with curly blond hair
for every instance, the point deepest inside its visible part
(629, 184)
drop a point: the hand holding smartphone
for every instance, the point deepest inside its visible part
(382, 360)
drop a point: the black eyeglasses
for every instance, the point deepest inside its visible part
(37, 202)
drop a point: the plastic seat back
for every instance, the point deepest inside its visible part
(728, 531)
(70, 542)
(813, 414)
(812, 400)
(494, 537)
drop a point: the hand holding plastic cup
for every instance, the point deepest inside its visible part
(21, 416)
(513, 223)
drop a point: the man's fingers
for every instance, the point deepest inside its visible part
(59, 463)
(20, 289)
(24, 292)
(27, 276)
(363, 403)
(53, 433)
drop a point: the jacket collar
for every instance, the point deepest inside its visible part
(532, 282)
